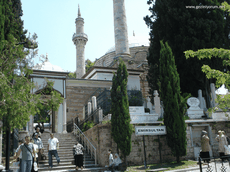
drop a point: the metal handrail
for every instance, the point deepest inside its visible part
(91, 149)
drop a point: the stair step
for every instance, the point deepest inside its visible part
(96, 169)
(46, 162)
(65, 167)
(65, 153)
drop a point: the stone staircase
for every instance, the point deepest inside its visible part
(65, 153)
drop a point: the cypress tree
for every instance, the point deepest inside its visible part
(169, 87)
(186, 29)
(121, 127)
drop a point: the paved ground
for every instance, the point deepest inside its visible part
(215, 167)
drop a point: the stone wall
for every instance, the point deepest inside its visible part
(76, 98)
(78, 92)
(100, 136)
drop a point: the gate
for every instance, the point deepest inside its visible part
(215, 164)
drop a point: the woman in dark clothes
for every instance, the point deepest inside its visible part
(78, 155)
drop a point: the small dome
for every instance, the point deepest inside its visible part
(222, 90)
(134, 41)
(48, 66)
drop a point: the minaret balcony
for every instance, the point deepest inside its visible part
(79, 35)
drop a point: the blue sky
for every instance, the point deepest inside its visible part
(54, 23)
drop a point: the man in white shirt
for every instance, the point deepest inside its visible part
(53, 146)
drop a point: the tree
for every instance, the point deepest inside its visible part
(186, 28)
(88, 65)
(16, 101)
(223, 102)
(174, 103)
(72, 75)
(121, 127)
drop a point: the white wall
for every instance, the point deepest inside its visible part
(41, 82)
(133, 80)
(60, 119)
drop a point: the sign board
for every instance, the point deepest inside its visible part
(150, 130)
(143, 118)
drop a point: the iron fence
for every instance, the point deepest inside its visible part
(214, 164)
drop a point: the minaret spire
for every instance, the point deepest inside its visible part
(80, 39)
(120, 29)
(79, 12)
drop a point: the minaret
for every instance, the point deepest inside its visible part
(80, 39)
(120, 29)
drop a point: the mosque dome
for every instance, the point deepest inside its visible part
(134, 41)
(48, 66)
(222, 90)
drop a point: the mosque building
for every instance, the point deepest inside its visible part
(78, 92)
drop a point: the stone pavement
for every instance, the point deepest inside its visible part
(215, 167)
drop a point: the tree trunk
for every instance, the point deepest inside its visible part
(178, 159)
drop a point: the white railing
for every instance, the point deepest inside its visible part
(85, 141)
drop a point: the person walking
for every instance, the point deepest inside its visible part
(205, 147)
(53, 146)
(38, 142)
(34, 165)
(116, 162)
(37, 131)
(28, 151)
(221, 139)
(20, 142)
(78, 155)
(110, 159)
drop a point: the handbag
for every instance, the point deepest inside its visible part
(35, 166)
(227, 149)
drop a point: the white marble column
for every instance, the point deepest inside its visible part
(94, 103)
(157, 103)
(149, 105)
(64, 116)
(89, 108)
(100, 115)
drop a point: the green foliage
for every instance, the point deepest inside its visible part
(72, 75)
(105, 122)
(87, 125)
(174, 103)
(88, 65)
(121, 128)
(135, 98)
(184, 29)
(223, 101)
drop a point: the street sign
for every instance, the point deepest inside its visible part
(150, 130)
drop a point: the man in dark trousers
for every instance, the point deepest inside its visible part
(53, 146)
